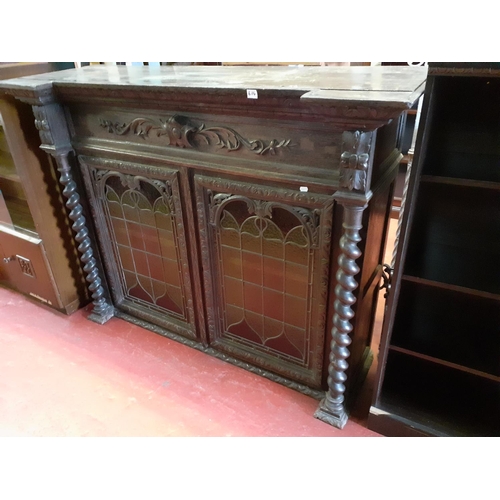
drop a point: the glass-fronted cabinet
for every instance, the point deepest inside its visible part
(37, 254)
(14, 208)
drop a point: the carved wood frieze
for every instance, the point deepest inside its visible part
(182, 132)
(264, 192)
(354, 160)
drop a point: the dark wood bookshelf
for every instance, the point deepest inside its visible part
(439, 362)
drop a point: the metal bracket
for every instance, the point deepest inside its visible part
(387, 272)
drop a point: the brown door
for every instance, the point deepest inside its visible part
(266, 263)
(140, 226)
(23, 266)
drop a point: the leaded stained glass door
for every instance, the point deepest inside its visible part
(266, 264)
(138, 215)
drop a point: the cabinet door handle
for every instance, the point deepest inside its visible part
(9, 259)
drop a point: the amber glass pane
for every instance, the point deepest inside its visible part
(294, 253)
(163, 221)
(167, 244)
(252, 267)
(171, 272)
(155, 267)
(230, 238)
(135, 235)
(295, 310)
(120, 230)
(253, 297)
(115, 209)
(296, 280)
(232, 262)
(147, 218)
(233, 291)
(126, 258)
(273, 274)
(141, 262)
(131, 214)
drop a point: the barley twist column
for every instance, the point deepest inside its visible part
(353, 195)
(101, 311)
(331, 408)
(51, 124)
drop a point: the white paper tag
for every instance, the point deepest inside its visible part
(303, 189)
(252, 94)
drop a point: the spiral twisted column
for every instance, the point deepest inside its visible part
(332, 409)
(102, 311)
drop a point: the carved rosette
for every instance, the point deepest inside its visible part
(182, 132)
(354, 160)
(331, 409)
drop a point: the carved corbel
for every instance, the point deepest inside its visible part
(355, 160)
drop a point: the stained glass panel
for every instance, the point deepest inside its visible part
(145, 238)
(266, 265)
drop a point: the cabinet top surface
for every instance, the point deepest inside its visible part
(393, 86)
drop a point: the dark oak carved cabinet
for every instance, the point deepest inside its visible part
(248, 228)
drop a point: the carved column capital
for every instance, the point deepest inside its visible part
(355, 160)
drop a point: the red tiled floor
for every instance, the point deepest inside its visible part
(67, 376)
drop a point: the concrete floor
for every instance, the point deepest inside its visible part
(67, 376)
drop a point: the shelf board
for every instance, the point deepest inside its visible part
(455, 288)
(442, 362)
(8, 168)
(440, 397)
(455, 181)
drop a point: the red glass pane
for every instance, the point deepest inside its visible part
(252, 267)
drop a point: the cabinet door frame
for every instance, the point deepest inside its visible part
(306, 205)
(94, 169)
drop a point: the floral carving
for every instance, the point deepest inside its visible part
(42, 125)
(354, 160)
(183, 133)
